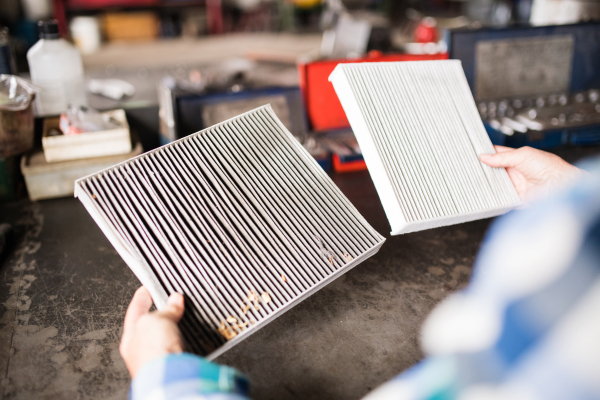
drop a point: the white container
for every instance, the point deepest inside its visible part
(56, 67)
(86, 145)
(85, 32)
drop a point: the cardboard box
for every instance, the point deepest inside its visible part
(49, 180)
(142, 25)
(86, 145)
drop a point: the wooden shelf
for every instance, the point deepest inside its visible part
(131, 5)
(62, 8)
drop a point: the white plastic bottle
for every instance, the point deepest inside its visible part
(56, 67)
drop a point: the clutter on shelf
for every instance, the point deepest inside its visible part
(83, 133)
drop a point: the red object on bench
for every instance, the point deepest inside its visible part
(352, 166)
(324, 110)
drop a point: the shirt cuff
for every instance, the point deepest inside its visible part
(177, 376)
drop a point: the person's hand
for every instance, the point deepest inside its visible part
(534, 173)
(149, 335)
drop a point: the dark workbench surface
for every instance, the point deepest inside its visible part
(64, 291)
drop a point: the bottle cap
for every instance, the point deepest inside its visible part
(48, 29)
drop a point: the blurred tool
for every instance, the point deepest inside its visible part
(115, 89)
(56, 67)
(562, 112)
(534, 86)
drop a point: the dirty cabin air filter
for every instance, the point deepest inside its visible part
(421, 135)
(238, 217)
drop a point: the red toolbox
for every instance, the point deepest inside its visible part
(324, 110)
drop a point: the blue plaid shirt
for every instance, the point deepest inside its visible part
(527, 327)
(186, 376)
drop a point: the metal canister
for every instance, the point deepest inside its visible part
(16, 115)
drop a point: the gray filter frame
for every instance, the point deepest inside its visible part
(421, 136)
(238, 217)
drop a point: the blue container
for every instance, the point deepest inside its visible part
(589, 135)
(7, 65)
(462, 44)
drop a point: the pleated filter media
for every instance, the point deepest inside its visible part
(421, 134)
(238, 217)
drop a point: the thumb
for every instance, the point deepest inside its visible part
(175, 307)
(504, 159)
(140, 305)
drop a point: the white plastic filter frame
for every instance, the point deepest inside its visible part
(239, 207)
(421, 135)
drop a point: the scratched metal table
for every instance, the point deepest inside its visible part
(64, 291)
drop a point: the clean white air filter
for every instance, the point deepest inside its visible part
(238, 217)
(420, 133)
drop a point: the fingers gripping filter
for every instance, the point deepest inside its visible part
(421, 135)
(238, 217)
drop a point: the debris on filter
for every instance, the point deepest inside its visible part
(226, 331)
(241, 325)
(328, 254)
(283, 278)
(231, 319)
(348, 257)
(253, 298)
(266, 298)
(252, 321)
(245, 309)
(94, 196)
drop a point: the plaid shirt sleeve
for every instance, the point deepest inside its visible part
(188, 377)
(527, 326)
